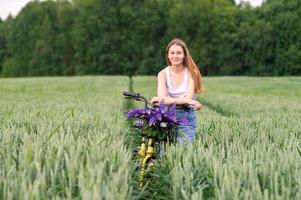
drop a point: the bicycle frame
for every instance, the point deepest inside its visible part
(146, 151)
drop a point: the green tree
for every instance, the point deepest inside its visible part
(118, 37)
(2, 44)
(64, 46)
(204, 25)
(284, 17)
(96, 37)
(129, 37)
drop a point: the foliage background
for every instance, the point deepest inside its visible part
(128, 37)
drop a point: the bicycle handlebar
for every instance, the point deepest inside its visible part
(131, 94)
(136, 96)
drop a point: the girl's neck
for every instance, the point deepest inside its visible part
(177, 68)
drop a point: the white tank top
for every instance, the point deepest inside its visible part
(180, 91)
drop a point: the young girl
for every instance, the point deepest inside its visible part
(178, 83)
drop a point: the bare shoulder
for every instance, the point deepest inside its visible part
(162, 74)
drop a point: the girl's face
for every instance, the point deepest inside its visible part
(176, 55)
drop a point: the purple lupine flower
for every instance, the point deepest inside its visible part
(138, 113)
(172, 109)
(171, 114)
(162, 107)
(133, 113)
(161, 121)
(154, 117)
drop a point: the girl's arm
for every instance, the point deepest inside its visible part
(161, 87)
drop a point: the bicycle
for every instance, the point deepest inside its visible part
(156, 126)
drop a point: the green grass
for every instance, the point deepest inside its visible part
(66, 138)
(248, 141)
(63, 138)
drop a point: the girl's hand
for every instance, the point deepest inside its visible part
(155, 100)
(197, 105)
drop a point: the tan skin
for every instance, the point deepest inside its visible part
(177, 71)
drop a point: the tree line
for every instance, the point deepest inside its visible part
(80, 37)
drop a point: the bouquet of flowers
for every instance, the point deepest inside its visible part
(160, 122)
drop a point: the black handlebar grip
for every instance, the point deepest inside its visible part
(131, 94)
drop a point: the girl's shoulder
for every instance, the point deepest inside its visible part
(162, 73)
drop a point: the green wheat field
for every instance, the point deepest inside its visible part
(66, 138)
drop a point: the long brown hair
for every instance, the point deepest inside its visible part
(189, 63)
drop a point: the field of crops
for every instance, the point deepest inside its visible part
(66, 138)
